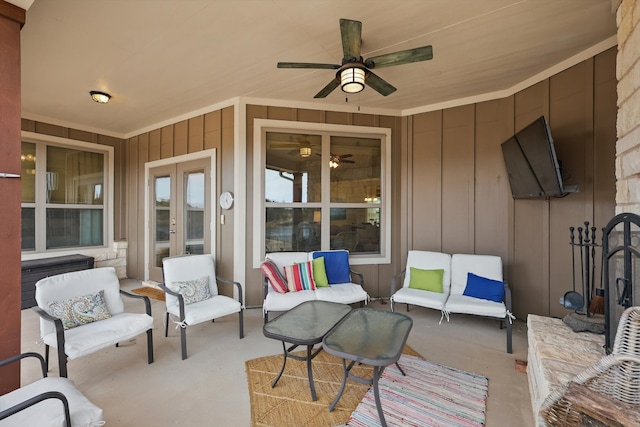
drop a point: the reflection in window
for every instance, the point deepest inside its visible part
(296, 202)
(63, 192)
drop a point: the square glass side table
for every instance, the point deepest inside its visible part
(369, 336)
(305, 324)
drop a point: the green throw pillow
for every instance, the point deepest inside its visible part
(426, 280)
(320, 273)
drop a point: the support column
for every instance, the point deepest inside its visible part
(12, 19)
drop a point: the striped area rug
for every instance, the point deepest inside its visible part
(430, 395)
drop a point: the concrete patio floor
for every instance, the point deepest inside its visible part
(209, 388)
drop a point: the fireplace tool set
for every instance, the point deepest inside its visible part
(591, 301)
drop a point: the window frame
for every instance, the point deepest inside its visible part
(260, 129)
(40, 204)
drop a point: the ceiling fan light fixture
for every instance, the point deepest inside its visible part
(100, 97)
(305, 151)
(352, 80)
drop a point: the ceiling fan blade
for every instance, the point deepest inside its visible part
(345, 156)
(418, 54)
(351, 33)
(347, 161)
(380, 85)
(334, 83)
(308, 65)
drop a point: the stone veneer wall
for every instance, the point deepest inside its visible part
(115, 257)
(628, 122)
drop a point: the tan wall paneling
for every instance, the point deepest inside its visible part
(604, 133)
(132, 179)
(494, 125)
(253, 287)
(137, 226)
(281, 113)
(224, 254)
(212, 130)
(458, 179)
(154, 146)
(180, 138)
(365, 120)
(196, 134)
(166, 142)
(53, 130)
(571, 122)
(313, 116)
(425, 180)
(338, 118)
(529, 272)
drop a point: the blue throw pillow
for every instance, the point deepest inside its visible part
(481, 287)
(336, 264)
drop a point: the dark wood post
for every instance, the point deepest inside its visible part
(12, 18)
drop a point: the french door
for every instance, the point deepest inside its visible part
(179, 212)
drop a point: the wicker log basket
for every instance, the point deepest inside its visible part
(616, 376)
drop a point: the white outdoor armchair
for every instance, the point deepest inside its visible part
(47, 402)
(75, 321)
(191, 294)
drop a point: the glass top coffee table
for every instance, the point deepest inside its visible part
(369, 336)
(305, 324)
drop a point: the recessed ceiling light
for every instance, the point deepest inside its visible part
(101, 97)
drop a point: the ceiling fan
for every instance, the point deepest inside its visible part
(355, 72)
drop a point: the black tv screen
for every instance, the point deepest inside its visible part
(532, 166)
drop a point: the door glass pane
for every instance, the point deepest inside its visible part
(28, 229)
(355, 229)
(355, 165)
(162, 218)
(74, 227)
(28, 172)
(290, 229)
(74, 176)
(292, 171)
(194, 224)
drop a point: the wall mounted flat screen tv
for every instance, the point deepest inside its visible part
(532, 166)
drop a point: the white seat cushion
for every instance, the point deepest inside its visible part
(488, 266)
(477, 306)
(426, 260)
(212, 308)
(275, 301)
(91, 337)
(419, 297)
(343, 293)
(50, 412)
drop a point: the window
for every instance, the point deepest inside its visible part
(64, 193)
(323, 188)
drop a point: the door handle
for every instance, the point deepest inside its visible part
(172, 231)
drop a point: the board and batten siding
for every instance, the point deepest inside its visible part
(204, 132)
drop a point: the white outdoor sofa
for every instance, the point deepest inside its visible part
(452, 299)
(344, 293)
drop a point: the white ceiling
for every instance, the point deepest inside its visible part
(167, 59)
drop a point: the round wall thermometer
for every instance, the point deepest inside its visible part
(226, 200)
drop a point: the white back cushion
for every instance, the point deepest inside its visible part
(188, 267)
(425, 260)
(284, 259)
(488, 266)
(78, 283)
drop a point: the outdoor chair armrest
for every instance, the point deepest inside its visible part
(147, 301)
(177, 295)
(237, 285)
(21, 356)
(507, 296)
(395, 279)
(37, 399)
(56, 322)
(360, 277)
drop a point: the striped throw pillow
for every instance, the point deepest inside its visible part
(276, 280)
(300, 277)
